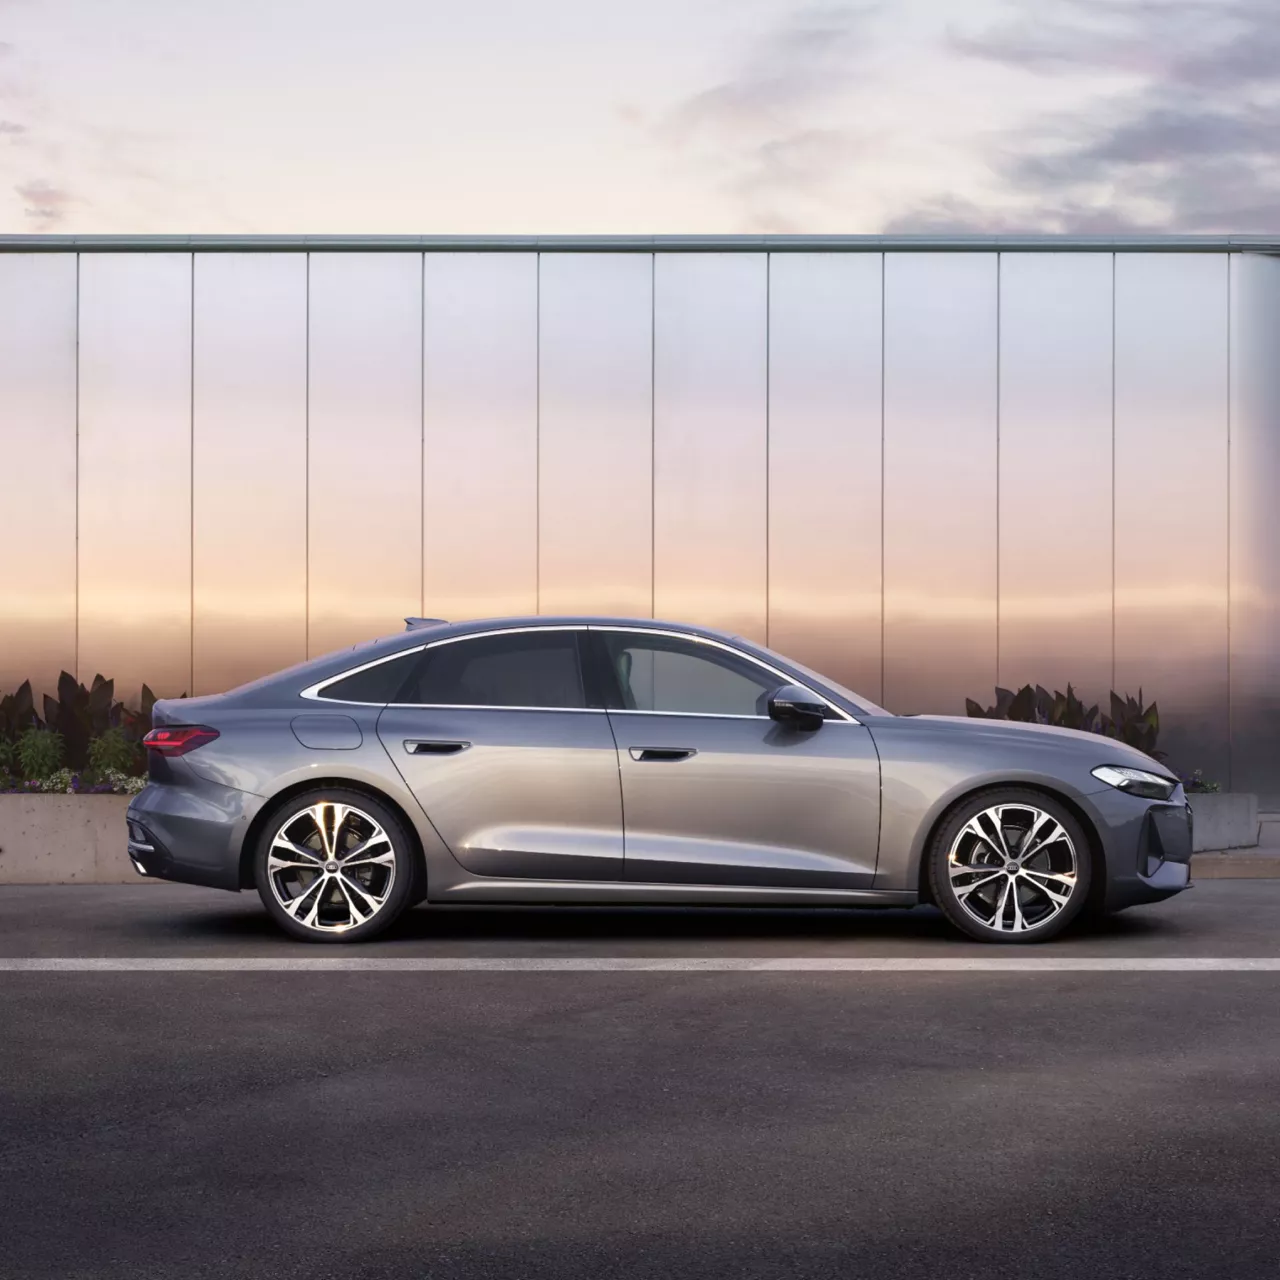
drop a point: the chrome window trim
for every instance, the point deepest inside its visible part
(314, 692)
(784, 676)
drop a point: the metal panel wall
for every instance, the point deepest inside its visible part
(709, 444)
(480, 480)
(595, 434)
(38, 466)
(1171, 498)
(825, 352)
(1255, 527)
(364, 445)
(135, 471)
(249, 466)
(1055, 471)
(939, 480)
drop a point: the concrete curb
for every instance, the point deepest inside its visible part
(1238, 864)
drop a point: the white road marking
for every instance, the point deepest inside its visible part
(641, 964)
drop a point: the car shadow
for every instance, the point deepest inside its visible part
(601, 928)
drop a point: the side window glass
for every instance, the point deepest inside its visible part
(664, 673)
(381, 683)
(517, 669)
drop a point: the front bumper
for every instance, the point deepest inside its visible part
(1147, 846)
(190, 834)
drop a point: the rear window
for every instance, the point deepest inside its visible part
(513, 669)
(381, 683)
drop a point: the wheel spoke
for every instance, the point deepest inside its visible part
(965, 890)
(302, 885)
(345, 887)
(972, 865)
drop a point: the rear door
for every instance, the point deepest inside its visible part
(714, 791)
(519, 775)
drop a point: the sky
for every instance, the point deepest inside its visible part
(662, 117)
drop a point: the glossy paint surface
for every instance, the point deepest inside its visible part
(134, 489)
(528, 808)
(248, 490)
(38, 464)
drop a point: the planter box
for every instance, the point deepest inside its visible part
(1226, 820)
(65, 840)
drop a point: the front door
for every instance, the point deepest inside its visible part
(515, 771)
(715, 792)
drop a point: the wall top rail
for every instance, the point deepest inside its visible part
(634, 244)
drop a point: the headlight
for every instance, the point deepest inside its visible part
(1137, 782)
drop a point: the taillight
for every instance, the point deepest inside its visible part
(178, 739)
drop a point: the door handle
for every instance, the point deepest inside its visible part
(646, 754)
(430, 747)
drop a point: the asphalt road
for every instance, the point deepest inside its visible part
(635, 1124)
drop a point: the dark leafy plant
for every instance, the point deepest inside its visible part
(1033, 704)
(8, 755)
(113, 750)
(40, 752)
(1195, 783)
(1134, 724)
(17, 713)
(1130, 720)
(80, 714)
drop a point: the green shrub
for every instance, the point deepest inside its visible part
(8, 754)
(1130, 721)
(112, 752)
(39, 753)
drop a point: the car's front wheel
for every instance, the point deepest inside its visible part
(1010, 865)
(334, 866)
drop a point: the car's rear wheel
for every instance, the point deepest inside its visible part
(1010, 865)
(334, 866)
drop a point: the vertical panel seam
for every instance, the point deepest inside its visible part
(191, 487)
(768, 441)
(421, 435)
(1114, 259)
(76, 640)
(653, 435)
(884, 258)
(306, 466)
(999, 354)
(537, 433)
(1231, 761)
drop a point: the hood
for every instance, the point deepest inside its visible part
(1107, 750)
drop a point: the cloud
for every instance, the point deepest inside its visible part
(1187, 141)
(760, 130)
(43, 202)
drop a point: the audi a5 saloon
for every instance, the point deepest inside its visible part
(609, 761)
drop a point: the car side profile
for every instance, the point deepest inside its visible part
(615, 761)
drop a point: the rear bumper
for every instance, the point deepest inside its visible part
(190, 834)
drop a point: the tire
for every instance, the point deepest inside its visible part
(987, 888)
(333, 865)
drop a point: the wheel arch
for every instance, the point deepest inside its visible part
(1097, 852)
(273, 805)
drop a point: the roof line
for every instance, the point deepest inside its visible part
(631, 244)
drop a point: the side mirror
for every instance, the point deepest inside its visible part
(797, 708)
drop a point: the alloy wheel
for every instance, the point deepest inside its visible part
(331, 867)
(1013, 868)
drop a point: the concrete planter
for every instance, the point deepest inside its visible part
(1226, 820)
(64, 840)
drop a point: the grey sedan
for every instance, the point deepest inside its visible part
(610, 761)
